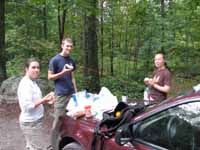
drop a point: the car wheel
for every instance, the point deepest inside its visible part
(72, 146)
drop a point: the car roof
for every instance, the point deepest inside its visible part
(168, 103)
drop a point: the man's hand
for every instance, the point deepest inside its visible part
(67, 68)
(148, 81)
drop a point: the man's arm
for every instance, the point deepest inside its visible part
(54, 76)
(74, 82)
(165, 88)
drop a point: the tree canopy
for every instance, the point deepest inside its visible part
(115, 40)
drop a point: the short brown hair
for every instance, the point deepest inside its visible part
(67, 40)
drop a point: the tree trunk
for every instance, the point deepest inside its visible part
(91, 69)
(112, 43)
(61, 20)
(45, 30)
(137, 45)
(111, 49)
(126, 66)
(162, 11)
(3, 55)
(101, 40)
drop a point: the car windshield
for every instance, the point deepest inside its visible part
(176, 128)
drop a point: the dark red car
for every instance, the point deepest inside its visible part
(173, 124)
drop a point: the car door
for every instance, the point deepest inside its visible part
(177, 128)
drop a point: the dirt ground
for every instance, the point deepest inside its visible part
(11, 137)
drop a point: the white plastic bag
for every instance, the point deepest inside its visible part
(196, 87)
(101, 102)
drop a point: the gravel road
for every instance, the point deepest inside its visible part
(11, 137)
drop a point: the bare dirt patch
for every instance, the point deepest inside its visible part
(11, 137)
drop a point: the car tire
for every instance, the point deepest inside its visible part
(72, 146)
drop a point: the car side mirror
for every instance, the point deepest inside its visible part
(123, 135)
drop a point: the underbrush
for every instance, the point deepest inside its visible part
(181, 85)
(134, 88)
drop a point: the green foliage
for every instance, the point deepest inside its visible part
(133, 89)
(133, 30)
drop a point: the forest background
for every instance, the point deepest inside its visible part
(114, 40)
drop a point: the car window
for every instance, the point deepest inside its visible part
(177, 128)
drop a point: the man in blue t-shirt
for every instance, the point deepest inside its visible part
(61, 70)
